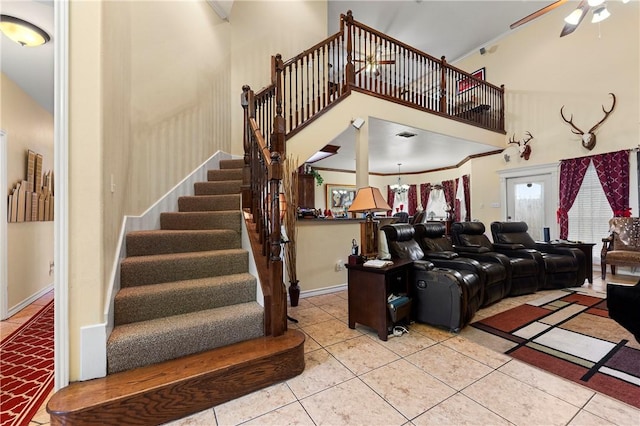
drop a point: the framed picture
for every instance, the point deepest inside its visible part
(465, 84)
(340, 197)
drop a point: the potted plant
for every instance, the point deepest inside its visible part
(290, 190)
(317, 176)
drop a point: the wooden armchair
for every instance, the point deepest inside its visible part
(622, 247)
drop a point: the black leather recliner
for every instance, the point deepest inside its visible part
(442, 296)
(563, 266)
(402, 217)
(525, 275)
(438, 249)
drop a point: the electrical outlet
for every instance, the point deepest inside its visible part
(339, 266)
(51, 265)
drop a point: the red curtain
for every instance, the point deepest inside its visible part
(391, 196)
(466, 182)
(449, 188)
(413, 199)
(613, 172)
(571, 175)
(425, 191)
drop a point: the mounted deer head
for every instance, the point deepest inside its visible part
(589, 138)
(523, 145)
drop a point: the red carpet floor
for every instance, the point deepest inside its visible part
(26, 369)
(572, 336)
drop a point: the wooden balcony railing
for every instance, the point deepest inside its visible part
(357, 58)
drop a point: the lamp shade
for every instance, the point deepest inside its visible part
(369, 199)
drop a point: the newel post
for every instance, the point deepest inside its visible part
(350, 69)
(246, 141)
(277, 136)
(443, 85)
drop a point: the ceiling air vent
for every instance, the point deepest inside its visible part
(406, 134)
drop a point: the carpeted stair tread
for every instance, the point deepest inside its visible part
(209, 203)
(217, 188)
(224, 175)
(201, 220)
(161, 268)
(147, 243)
(149, 342)
(232, 164)
(143, 303)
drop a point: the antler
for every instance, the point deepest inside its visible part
(513, 140)
(570, 121)
(526, 141)
(606, 114)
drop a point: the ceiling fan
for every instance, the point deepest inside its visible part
(600, 13)
(371, 62)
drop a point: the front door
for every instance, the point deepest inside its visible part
(530, 200)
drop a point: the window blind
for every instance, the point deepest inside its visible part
(589, 216)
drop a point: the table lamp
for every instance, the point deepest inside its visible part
(369, 200)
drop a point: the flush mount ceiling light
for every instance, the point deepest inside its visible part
(22, 32)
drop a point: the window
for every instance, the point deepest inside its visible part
(589, 216)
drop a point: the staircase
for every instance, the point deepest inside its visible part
(188, 332)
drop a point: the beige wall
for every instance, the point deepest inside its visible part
(261, 29)
(29, 244)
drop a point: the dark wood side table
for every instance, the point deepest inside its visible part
(368, 289)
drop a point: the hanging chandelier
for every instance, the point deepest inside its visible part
(399, 188)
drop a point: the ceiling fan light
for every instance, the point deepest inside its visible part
(574, 17)
(22, 32)
(600, 14)
(594, 3)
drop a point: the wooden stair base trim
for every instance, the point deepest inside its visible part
(174, 389)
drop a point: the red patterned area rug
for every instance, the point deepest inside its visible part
(570, 335)
(26, 369)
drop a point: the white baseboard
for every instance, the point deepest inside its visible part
(321, 291)
(26, 302)
(93, 349)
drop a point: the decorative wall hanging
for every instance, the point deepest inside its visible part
(523, 146)
(32, 200)
(589, 138)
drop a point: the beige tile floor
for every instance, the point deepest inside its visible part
(426, 377)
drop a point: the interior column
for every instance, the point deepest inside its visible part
(362, 153)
